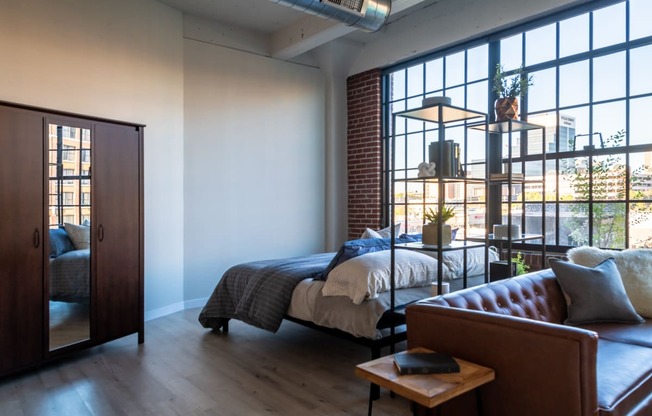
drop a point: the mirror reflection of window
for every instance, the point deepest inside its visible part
(70, 244)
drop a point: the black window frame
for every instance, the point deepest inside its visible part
(493, 44)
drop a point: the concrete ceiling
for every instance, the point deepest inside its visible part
(290, 32)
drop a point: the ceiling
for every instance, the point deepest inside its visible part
(258, 15)
(291, 32)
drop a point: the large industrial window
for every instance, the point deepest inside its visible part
(593, 94)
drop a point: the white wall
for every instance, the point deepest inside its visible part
(119, 59)
(254, 161)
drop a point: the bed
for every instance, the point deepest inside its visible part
(347, 293)
(70, 269)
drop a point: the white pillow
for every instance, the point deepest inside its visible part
(474, 261)
(364, 277)
(384, 233)
(80, 235)
(635, 267)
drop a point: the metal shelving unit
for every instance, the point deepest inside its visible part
(442, 116)
(509, 129)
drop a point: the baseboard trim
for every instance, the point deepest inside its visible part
(175, 307)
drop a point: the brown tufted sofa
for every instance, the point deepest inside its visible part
(543, 367)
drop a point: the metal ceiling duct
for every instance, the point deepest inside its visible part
(367, 15)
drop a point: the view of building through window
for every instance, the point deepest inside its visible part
(69, 167)
(592, 94)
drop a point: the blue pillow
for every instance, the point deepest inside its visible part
(355, 248)
(59, 242)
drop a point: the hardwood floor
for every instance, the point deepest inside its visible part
(184, 369)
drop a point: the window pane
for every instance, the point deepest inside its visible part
(640, 225)
(399, 156)
(608, 174)
(549, 121)
(574, 179)
(641, 175)
(477, 62)
(434, 75)
(551, 224)
(400, 122)
(455, 69)
(609, 26)
(609, 225)
(574, 84)
(639, 70)
(577, 120)
(511, 52)
(639, 18)
(416, 153)
(476, 153)
(541, 95)
(639, 125)
(609, 77)
(457, 96)
(574, 35)
(476, 98)
(608, 119)
(533, 220)
(541, 44)
(415, 80)
(533, 170)
(574, 224)
(397, 85)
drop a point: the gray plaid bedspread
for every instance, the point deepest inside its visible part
(259, 292)
(70, 279)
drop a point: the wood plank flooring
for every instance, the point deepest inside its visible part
(184, 369)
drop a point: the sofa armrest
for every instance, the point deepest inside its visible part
(541, 368)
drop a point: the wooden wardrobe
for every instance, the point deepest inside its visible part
(60, 173)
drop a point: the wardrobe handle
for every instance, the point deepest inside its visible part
(100, 232)
(37, 238)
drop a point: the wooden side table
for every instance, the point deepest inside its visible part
(426, 390)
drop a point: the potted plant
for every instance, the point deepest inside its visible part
(509, 88)
(519, 262)
(431, 228)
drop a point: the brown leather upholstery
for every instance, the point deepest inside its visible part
(542, 367)
(535, 296)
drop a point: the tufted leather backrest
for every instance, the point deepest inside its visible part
(533, 295)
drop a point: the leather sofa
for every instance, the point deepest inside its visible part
(543, 367)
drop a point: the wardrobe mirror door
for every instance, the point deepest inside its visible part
(69, 169)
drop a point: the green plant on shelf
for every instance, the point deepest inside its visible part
(432, 216)
(521, 267)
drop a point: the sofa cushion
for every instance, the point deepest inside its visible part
(594, 294)
(635, 267)
(640, 334)
(624, 376)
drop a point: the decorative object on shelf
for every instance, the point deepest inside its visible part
(431, 228)
(430, 101)
(509, 88)
(504, 231)
(427, 170)
(451, 166)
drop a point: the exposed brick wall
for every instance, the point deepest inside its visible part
(364, 161)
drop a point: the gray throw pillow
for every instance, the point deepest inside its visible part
(594, 295)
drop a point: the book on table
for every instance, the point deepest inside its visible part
(425, 363)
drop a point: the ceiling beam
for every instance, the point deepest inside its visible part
(312, 32)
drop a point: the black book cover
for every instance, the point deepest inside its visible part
(425, 363)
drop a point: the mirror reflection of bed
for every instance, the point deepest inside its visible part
(69, 234)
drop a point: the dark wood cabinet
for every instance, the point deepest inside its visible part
(21, 238)
(116, 179)
(114, 213)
